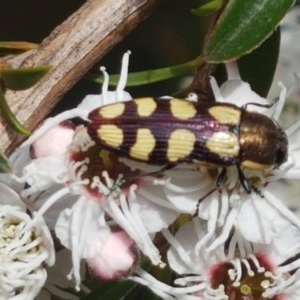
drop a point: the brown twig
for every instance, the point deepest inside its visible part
(71, 49)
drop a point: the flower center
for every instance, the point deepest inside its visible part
(247, 278)
(11, 234)
(97, 169)
(23, 251)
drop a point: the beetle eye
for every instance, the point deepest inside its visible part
(282, 148)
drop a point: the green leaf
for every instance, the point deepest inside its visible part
(151, 76)
(5, 166)
(16, 47)
(9, 116)
(207, 8)
(259, 75)
(243, 26)
(116, 290)
(20, 79)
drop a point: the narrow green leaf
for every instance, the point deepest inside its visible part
(151, 76)
(207, 8)
(116, 290)
(5, 166)
(243, 26)
(9, 116)
(16, 47)
(20, 79)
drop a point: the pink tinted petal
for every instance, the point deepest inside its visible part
(115, 259)
(54, 142)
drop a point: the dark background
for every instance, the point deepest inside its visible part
(160, 41)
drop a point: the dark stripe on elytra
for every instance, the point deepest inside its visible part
(130, 116)
(161, 123)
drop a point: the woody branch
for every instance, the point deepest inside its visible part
(71, 50)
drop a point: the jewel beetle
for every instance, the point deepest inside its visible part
(171, 131)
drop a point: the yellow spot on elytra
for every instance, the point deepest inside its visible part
(180, 144)
(225, 114)
(111, 135)
(249, 164)
(224, 144)
(112, 111)
(144, 144)
(182, 109)
(145, 106)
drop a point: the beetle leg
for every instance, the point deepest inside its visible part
(221, 178)
(200, 200)
(245, 183)
(258, 192)
(158, 172)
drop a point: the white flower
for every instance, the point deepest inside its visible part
(236, 269)
(58, 285)
(83, 191)
(24, 249)
(86, 192)
(258, 215)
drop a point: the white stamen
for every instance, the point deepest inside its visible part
(184, 256)
(291, 284)
(236, 273)
(283, 210)
(232, 70)
(105, 85)
(23, 254)
(211, 225)
(216, 90)
(148, 280)
(276, 285)
(188, 279)
(134, 227)
(293, 128)
(248, 267)
(225, 232)
(192, 97)
(123, 75)
(102, 188)
(281, 102)
(215, 294)
(294, 265)
(255, 261)
(51, 200)
(224, 207)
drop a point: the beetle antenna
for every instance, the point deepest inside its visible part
(260, 105)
